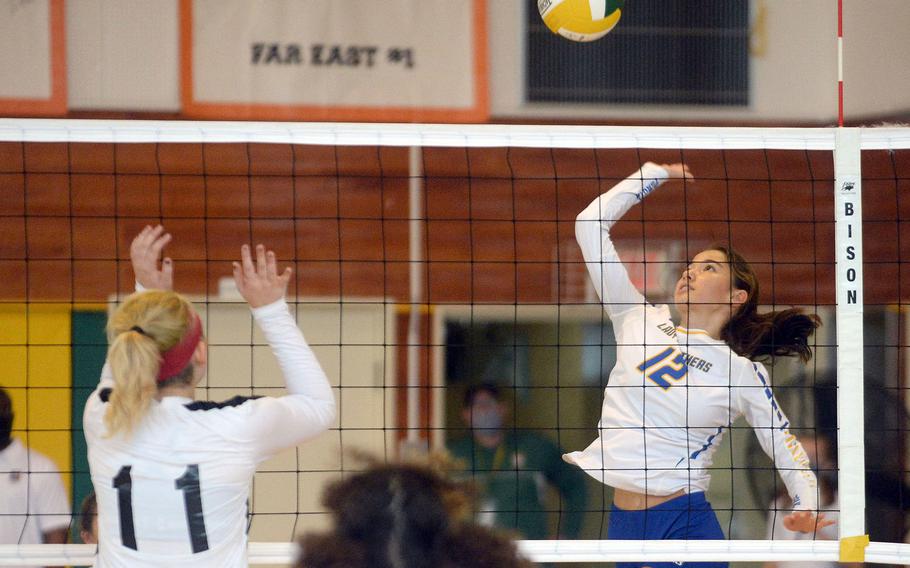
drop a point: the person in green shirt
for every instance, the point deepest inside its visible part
(511, 469)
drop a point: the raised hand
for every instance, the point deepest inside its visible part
(806, 522)
(259, 283)
(144, 254)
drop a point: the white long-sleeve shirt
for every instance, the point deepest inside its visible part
(33, 500)
(175, 492)
(673, 392)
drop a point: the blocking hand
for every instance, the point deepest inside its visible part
(259, 283)
(145, 251)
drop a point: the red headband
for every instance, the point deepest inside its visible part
(176, 358)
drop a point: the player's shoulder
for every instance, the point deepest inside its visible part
(98, 399)
(38, 462)
(644, 313)
(237, 403)
(232, 421)
(93, 413)
(747, 370)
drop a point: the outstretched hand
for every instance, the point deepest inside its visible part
(144, 254)
(259, 283)
(678, 171)
(806, 522)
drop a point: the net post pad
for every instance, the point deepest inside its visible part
(853, 548)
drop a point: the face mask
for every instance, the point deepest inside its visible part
(486, 420)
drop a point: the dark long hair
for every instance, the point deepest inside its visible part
(762, 335)
(88, 512)
(403, 516)
(6, 419)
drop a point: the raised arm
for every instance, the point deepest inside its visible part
(762, 412)
(150, 271)
(592, 231)
(309, 407)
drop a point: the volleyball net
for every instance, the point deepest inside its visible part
(429, 258)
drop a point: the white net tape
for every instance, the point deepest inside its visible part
(451, 135)
(280, 553)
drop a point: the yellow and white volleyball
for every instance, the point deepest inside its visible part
(580, 20)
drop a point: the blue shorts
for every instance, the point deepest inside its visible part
(688, 517)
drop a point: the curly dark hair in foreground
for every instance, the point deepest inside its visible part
(403, 516)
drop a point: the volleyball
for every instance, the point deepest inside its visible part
(580, 20)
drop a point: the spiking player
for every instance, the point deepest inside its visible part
(172, 475)
(676, 389)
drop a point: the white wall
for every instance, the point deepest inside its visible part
(794, 78)
(123, 54)
(22, 50)
(876, 52)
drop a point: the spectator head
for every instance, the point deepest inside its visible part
(410, 515)
(88, 519)
(6, 419)
(483, 409)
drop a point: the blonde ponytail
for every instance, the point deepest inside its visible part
(134, 359)
(140, 330)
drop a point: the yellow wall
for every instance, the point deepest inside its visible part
(37, 372)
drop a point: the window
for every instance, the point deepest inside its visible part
(666, 52)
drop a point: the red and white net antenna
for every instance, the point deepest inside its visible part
(840, 62)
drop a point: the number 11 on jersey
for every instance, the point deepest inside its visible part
(668, 365)
(188, 483)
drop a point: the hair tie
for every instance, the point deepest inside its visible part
(138, 329)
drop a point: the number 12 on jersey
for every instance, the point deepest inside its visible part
(188, 483)
(668, 364)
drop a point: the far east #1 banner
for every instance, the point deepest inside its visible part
(347, 60)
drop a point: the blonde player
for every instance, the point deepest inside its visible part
(676, 389)
(172, 475)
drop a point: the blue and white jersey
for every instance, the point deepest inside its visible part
(673, 392)
(175, 492)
